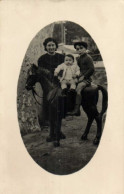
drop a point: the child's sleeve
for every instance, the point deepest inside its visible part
(90, 67)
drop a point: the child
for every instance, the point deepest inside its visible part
(86, 65)
(70, 73)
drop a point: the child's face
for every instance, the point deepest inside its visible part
(68, 61)
(80, 49)
(51, 47)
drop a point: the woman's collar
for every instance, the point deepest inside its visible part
(51, 54)
(83, 54)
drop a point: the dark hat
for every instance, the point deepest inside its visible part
(81, 43)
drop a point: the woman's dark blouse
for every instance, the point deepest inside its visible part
(50, 62)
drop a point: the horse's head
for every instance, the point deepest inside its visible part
(43, 76)
(31, 77)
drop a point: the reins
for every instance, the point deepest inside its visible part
(35, 93)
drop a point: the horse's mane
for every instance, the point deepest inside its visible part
(44, 76)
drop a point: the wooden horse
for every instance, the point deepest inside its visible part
(58, 105)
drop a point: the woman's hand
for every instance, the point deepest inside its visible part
(55, 74)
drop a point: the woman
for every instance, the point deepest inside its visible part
(50, 61)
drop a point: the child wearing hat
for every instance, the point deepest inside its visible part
(70, 72)
(86, 66)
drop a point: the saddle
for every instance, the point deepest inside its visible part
(58, 92)
(91, 87)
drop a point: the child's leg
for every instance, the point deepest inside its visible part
(72, 84)
(63, 84)
(64, 87)
(80, 87)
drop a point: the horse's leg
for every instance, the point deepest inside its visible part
(91, 111)
(58, 131)
(55, 131)
(63, 109)
(86, 132)
(51, 136)
(98, 119)
(59, 115)
(61, 112)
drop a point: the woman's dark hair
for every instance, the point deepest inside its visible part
(49, 40)
(69, 55)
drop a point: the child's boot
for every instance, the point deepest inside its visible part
(64, 91)
(76, 111)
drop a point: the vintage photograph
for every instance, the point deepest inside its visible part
(62, 98)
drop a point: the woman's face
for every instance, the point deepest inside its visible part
(51, 47)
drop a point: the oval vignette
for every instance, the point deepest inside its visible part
(73, 153)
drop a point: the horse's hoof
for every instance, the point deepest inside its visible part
(84, 137)
(50, 139)
(56, 144)
(96, 141)
(62, 135)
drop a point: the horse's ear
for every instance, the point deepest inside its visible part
(32, 70)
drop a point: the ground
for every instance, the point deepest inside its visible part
(73, 153)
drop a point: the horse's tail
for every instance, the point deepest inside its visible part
(104, 99)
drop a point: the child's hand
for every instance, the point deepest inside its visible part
(74, 76)
(55, 74)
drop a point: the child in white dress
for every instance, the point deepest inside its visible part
(70, 73)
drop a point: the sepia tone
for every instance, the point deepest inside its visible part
(31, 114)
